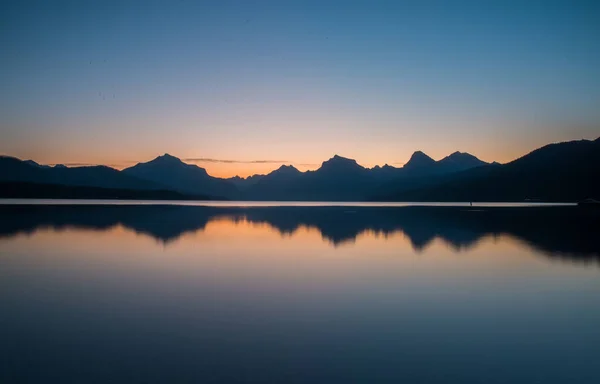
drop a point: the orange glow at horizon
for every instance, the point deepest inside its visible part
(245, 168)
(236, 159)
(268, 244)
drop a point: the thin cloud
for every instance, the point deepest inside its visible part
(75, 164)
(227, 161)
(127, 163)
(78, 164)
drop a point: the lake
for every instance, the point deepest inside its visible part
(223, 293)
(228, 203)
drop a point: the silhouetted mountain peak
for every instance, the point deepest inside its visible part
(463, 157)
(35, 164)
(287, 169)
(165, 163)
(166, 159)
(459, 155)
(419, 154)
(385, 167)
(12, 160)
(338, 158)
(458, 161)
(31, 162)
(339, 162)
(419, 160)
(60, 166)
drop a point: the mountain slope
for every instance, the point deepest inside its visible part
(422, 171)
(338, 179)
(557, 172)
(26, 190)
(567, 171)
(15, 170)
(186, 178)
(419, 161)
(277, 185)
(343, 179)
(242, 183)
(459, 161)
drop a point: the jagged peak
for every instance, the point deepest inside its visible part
(417, 154)
(167, 156)
(6, 157)
(166, 159)
(461, 154)
(166, 162)
(339, 163)
(419, 158)
(337, 159)
(463, 158)
(287, 167)
(286, 170)
(340, 158)
(386, 166)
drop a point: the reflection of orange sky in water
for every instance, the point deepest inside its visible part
(232, 229)
(256, 256)
(240, 235)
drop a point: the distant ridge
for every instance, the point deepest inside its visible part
(15, 170)
(340, 164)
(561, 171)
(568, 171)
(419, 161)
(460, 161)
(22, 190)
(182, 177)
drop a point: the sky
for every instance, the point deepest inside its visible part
(243, 87)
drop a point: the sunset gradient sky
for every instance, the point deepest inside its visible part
(243, 87)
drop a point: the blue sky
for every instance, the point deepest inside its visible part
(118, 82)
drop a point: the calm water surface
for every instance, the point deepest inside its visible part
(217, 203)
(184, 294)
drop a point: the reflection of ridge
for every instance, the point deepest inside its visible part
(568, 232)
(166, 225)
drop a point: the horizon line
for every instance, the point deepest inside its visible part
(192, 160)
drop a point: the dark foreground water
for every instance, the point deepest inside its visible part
(183, 294)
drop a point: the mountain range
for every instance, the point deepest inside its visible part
(568, 171)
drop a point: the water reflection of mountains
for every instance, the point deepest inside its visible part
(569, 232)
